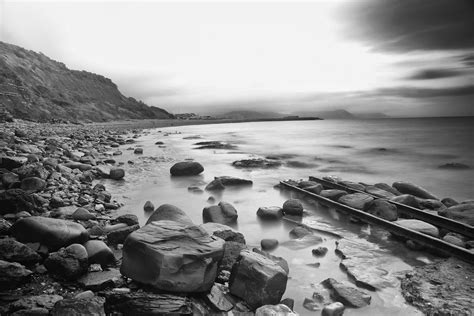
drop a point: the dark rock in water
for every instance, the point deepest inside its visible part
(119, 236)
(215, 185)
(51, 232)
(143, 303)
(224, 232)
(35, 302)
(299, 232)
(256, 163)
(320, 251)
(98, 281)
(217, 298)
(270, 212)
(288, 302)
(407, 199)
(186, 168)
(382, 209)
(116, 173)
(268, 244)
(448, 202)
(194, 189)
(219, 183)
(223, 213)
(299, 164)
(358, 201)
(68, 263)
(81, 214)
(352, 185)
(347, 294)
(316, 189)
(381, 193)
(279, 309)
(172, 256)
(293, 207)
(33, 184)
(462, 212)
(99, 252)
(14, 251)
(257, 280)
(431, 204)
(419, 226)
(413, 189)
(148, 207)
(387, 188)
(169, 212)
(333, 309)
(79, 307)
(138, 151)
(332, 194)
(304, 184)
(454, 166)
(278, 260)
(12, 275)
(214, 145)
(11, 163)
(129, 219)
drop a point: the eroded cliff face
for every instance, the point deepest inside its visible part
(35, 87)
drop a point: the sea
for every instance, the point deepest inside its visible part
(368, 151)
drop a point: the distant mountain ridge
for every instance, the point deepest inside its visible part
(331, 114)
(35, 87)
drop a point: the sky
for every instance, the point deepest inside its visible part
(401, 58)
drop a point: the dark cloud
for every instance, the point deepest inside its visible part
(405, 25)
(427, 74)
(413, 92)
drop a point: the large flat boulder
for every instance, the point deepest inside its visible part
(257, 280)
(51, 232)
(413, 189)
(172, 256)
(347, 294)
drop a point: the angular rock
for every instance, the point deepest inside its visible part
(293, 207)
(218, 299)
(116, 173)
(274, 310)
(11, 163)
(169, 212)
(4, 227)
(148, 207)
(14, 251)
(270, 212)
(129, 219)
(79, 307)
(419, 226)
(257, 280)
(17, 200)
(345, 293)
(278, 260)
(143, 303)
(81, 214)
(454, 166)
(51, 232)
(333, 309)
(119, 236)
(99, 252)
(224, 232)
(462, 212)
(172, 256)
(332, 194)
(223, 213)
(29, 303)
(413, 189)
(98, 281)
(382, 209)
(12, 275)
(186, 168)
(378, 192)
(221, 182)
(407, 199)
(68, 263)
(356, 200)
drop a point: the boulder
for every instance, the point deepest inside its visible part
(257, 280)
(448, 202)
(455, 240)
(145, 303)
(32, 170)
(215, 185)
(333, 309)
(306, 183)
(278, 260)
(274, 310)
(382, 209)
(268, 244)
(34, 303)
(118, 236)
(79, 307)
(332, 194)
(81, 214)
(270, 212)
(11, 163)
(413, 189)
(12, 275)
(219, 183)
(99, 252)
(169, 212)
(138, 150)
(256, 163)
(78, 165)
(419, 226)
(14, 251)
(352, 185)
(347, 294)
(128, 219)
(406, 199)
(224, 232)
(100, 280)
(217, 298)
(186, 168)
(4, 227)
(32, 184)
(116, 173)
(148, 207)
(68, 263)
(293, 207)
(316, 189)
(378, 192)
(320, 251)
(51, 232)
(223, 213)
(18, 200)
(9, 178)
(462, 212)
(356, 200)
(172, 256)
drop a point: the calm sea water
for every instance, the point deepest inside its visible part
(367, 151)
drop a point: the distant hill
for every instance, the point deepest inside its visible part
(250, 115)
(341, 114)
(35, 87)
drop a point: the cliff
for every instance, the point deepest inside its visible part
(35, 87)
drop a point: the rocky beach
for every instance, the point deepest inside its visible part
(70, 244)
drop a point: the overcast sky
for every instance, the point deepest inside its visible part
(403, 58)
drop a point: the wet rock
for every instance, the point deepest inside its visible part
(383, 209)
(462, 212)
(268, 244)
(455, 240)
(81, 214)
(378, 192)
(79, 307)
(12, 275)
(270, 212)
(172, 256)
(299, 232)
(148, 207)
(413, 189)
(316, 189)
(119, 236)
(215, 185)
(9, 178)
(332, 194)
(288, 302)
(14, 251)
(78, 165)
(169, 212)
(223, 213)
(214, 145)
(278, 260)
(293, 207)
(448, 202)
(11, 163)
(358, 201)
(186, 168)
(116, 173)
(320, 251)
(32, 170)
(35, 302)
(233, 181)
(32, 184)
(143, 303)
(274, 310)
(68, 263)
(419, 226)
(99, 252)
(431, 204)
(101, 280)
(306, 183)
(352, 185)
(54, 233)
(333, 309)
(138, 151)
(232, 251)
(129, 219)
(195, 189)
(224, 232)
(218, 299)
(256, 163)
(345, 293)
(454, 166)
(4, 227)
(406, 199)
